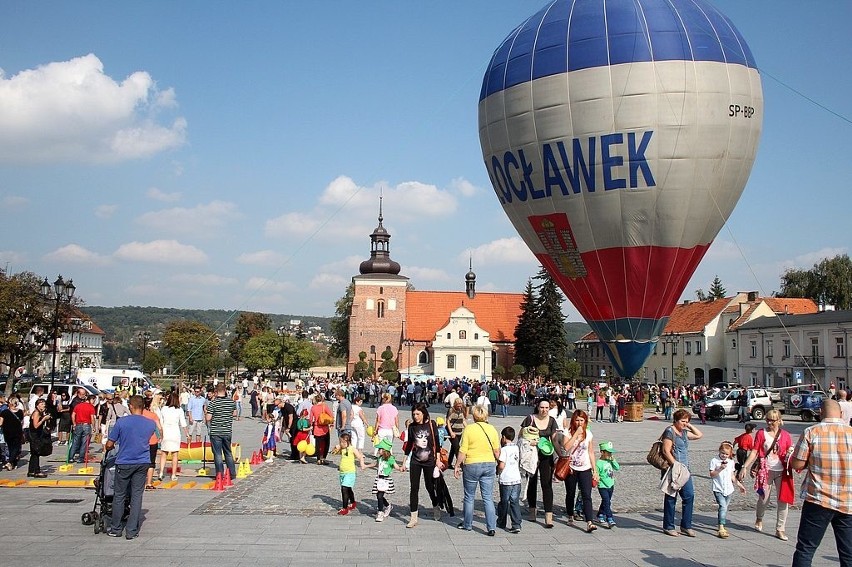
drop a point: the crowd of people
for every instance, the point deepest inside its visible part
(553, 443)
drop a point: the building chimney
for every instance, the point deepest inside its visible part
(752, 296)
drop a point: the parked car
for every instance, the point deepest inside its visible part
(807, 404)
(724, 403)
(65, 387)
(725, 386)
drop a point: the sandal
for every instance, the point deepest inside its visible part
(149, 487)
(174, 478)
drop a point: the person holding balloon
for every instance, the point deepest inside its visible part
(303, 431)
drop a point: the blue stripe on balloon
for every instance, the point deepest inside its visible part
(569, 35)
(628, 341)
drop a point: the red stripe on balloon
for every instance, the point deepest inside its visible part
(642, 281)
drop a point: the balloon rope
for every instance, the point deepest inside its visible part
(804, 96)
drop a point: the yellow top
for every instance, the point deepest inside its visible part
(347, 461)
(475, 443)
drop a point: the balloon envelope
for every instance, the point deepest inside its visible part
(618, 136)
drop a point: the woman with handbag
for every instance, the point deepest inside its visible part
(11, 424)
(40, 441)
(771, 456)
(578, 447)
(478, 452)
(321, 420)
(544, 472)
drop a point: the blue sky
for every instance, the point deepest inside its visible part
(230, 155)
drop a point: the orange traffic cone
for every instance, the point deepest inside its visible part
(218, 485)
(227, 482)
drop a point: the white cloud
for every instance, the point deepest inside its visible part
(347, 265)
(105, 211)
(329, 281)
(76, 254)
(427, 274)
(464, 187)
(501, 251)
(347, 210)
(161, 252)
(11, 257)
(268, 286)
(722, 251)
(204, 280)
(71, 111)
(14, 202)
(806, 261)
(203, 220)
(261, 258)
(159, 195)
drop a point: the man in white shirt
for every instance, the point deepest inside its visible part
(845, 407)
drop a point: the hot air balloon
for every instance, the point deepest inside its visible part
(618, 136)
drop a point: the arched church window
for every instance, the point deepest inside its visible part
(380, 309)
(462, 334)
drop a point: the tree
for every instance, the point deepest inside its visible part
(340, 324)
(551, 324)
(154, 361)
(528, 349)
(828, 283)
(388, 368)
(248, 325)
(517, 370)
(717, 290)
(191, 347)
(362, 370)
(262, 351)
(26, 321)
(681, 372)
(572, 370)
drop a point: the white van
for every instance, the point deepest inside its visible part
(109, 379)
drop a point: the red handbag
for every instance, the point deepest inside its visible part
(562, 469)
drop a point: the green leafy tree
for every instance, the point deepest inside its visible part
(248, 325)
(551, 324)
(26, 321)
(517, 370)
(498, 372)
(572, 370)
(155, 361)
(362, 369)
(389, 367)
(681, 372)
(717, 290)
(828, 283)
(301, 356)
(528, 349)
(340, 324)
(192, 347)
(262, 352)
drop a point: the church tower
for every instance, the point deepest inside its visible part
(378, 305)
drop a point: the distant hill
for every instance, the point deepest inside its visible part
(575, 330)
(121, 324)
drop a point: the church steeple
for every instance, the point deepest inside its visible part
(470, 281)
(380, 261)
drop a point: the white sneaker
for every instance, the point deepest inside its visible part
(380, 517)
(388, 510)
(270, 460)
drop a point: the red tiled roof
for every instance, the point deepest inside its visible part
(694, 316)
(428, 311)
(791, 305)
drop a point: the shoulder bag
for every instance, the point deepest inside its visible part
(655, 456)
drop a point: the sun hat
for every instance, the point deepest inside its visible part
(530, 433)
(545, 446)
(384, 444)
(607, 446)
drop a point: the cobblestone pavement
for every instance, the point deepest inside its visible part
(285, 514)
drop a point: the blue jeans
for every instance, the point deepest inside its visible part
(723, 502)
(82, 434)
(221, 446)
(613, 414)
(687, 496)
(510, 504)
(129, 482)
(482, 475)
(605, 509)
(504, 410)
(812, 525)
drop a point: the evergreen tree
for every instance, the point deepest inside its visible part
(717, 290)
(340, 324)
(528, 351)
(551, 324)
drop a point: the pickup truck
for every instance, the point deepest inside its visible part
(724, 403)
(807, 404)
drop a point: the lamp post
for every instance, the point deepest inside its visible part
(144, 337)
(671, 340)
(408, 343)
(61, 291)
(282, 332)
(76, 327)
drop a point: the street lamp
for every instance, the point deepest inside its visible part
(282, 332)
(76, 327)
(671, 340)
(62, 292)
(408, 343)
(144, 337)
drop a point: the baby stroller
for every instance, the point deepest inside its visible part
(101, 514)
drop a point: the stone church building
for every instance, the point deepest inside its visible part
(446, 334)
